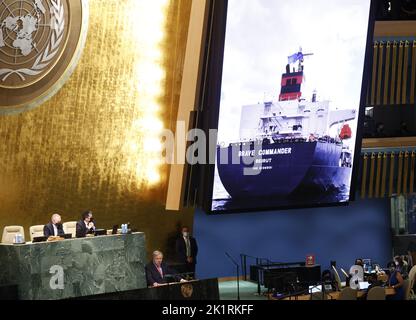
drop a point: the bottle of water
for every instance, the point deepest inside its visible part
(18, 239)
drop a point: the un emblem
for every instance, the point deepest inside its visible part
(40, 44)
(187, 290)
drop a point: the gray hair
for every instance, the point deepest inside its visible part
(157, 253)
(55, 215)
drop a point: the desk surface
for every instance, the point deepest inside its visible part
(72, 239)
(75, 267)
(332, 295)
(192, 290)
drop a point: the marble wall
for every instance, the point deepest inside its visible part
(83, 149)
(90, 266)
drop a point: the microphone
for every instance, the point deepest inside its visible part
(238, 273)
(176, 277)
(231, 258)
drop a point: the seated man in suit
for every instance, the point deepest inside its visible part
(86, 225)
(157, 271)
(54, 228)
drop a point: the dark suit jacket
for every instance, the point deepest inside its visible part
(153, 275)
(181, 249)
(82, 230)
(48, 230)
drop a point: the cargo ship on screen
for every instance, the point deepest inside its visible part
(295, 143)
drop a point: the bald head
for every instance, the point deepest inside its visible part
(56, 219)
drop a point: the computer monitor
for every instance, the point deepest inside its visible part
(367, 265)
(284, 282)
(297, 148)
(100, 232)
(39, 239)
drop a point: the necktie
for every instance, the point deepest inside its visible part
(188, 247)
(160, 271)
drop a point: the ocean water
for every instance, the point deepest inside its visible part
(222, 201)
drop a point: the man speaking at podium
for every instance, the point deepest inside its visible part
(157, 272)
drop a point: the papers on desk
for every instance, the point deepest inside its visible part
(363, 285)
(315, 289)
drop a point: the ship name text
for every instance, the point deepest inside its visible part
(268, 152)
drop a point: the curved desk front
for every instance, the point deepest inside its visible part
(74, 268)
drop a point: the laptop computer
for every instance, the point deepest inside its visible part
(315, 289)
(67, 236)
(39, 239)
(100, 232)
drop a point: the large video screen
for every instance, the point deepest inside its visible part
(291, 95)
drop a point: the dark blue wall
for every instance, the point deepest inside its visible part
(341, 234)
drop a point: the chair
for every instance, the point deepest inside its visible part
(376, 293)
(318, 296)
(36, 231)
(348, 294)
(406, 289)
(70, 227)
(10, 232)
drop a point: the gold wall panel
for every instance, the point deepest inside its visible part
(83, 149)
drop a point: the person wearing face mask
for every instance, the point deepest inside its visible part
(187, 250)
(395, 281)
(400, 266)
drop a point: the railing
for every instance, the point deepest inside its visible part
(263, 264)
(259, 261)
(388, 144)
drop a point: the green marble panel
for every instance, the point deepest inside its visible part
(90, 266)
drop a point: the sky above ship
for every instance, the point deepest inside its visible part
(262, 34)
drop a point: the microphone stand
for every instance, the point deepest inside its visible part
(238, 274)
